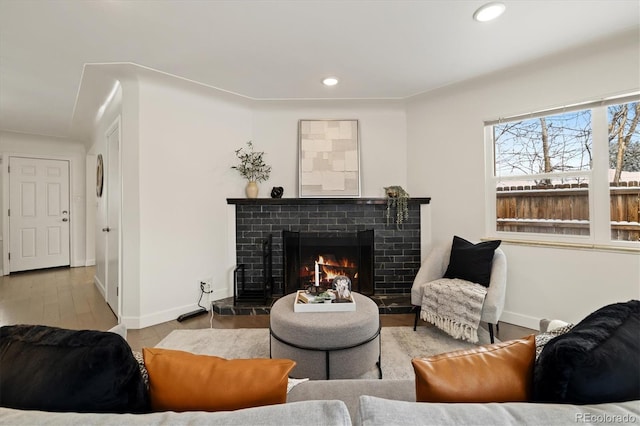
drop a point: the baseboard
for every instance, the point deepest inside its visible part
(521, 320)
(143, 321)
(77, 263)
(132, 323)
(220, 293)
(90, 262)
(101, 288)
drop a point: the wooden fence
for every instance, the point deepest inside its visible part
(564, 209)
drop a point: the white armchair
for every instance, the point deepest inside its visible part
(435, 266)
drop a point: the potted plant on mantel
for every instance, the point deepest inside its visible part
(253, 168)
(397, 198)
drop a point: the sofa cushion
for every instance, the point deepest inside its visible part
(332, 413)
(595, 362)
(471, 262)
(53, 369)
(182, 381)
(119, 329)
(349, 391)
(501, 372)
(384, 412)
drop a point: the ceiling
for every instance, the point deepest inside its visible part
(279, 49)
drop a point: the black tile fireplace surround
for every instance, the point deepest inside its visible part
(396, 249)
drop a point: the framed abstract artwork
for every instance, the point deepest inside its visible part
(329, 158)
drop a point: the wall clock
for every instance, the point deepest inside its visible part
(99, 176)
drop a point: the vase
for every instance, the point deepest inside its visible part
(252, 189)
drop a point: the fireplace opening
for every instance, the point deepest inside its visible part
(315, 258)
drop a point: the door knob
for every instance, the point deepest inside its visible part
(64, 212)
(64, 219)
(107, 229)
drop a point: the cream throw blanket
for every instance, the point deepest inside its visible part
(454, 306)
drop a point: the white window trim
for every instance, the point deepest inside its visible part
(599, 214)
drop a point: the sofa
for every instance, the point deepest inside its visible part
(357, 402)
(394, 402)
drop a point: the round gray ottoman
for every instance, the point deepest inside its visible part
(343, 344)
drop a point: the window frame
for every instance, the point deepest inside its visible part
(598, 190)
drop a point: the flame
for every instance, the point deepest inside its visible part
(332, 268)
(344, 262)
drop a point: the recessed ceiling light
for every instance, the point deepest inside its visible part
(489, 12)
(330, 81)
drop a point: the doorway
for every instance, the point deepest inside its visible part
(39, 214)
(112, 227)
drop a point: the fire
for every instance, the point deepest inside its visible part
(329, 267)
(332, 267)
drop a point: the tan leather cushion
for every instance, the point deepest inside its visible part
(500, 372)
(182, 381)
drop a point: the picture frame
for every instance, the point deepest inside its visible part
(329, 158)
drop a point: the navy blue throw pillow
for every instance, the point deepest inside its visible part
(471, 262)
(53, 369)
(595, 362)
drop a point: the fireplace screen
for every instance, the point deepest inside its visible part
(315, 258)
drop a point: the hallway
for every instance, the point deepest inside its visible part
(68, 298)
(61, 297)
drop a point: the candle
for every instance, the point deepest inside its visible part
(317, 274)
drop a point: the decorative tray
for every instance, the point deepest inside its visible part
(304, 303)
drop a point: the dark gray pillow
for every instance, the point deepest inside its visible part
(53, 369)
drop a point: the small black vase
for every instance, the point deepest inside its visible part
(276, 192)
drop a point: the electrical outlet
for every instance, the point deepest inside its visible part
(208, 284)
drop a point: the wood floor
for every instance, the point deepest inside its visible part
(68, 298)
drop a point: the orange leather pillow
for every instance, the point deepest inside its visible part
(501, 372)
(182, 381)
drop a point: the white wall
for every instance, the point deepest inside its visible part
(56, 148)
(130, 225)
(446, 162)
(186, 147)
(383, 138)
(125, 105)
(566, 284)
(186, 143)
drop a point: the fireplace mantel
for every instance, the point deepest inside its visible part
(318, 201)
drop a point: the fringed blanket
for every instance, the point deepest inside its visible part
(454, 306)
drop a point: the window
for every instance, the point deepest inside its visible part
(624, 170)
(570, 174)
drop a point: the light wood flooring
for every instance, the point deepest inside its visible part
(68, 298)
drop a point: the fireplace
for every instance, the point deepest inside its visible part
(395, 250)
(315, 258)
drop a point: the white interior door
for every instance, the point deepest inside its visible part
(38, 213)
(113, 195)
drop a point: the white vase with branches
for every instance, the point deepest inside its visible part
(252, 167)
